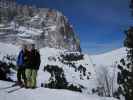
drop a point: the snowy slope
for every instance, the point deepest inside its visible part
(8, 49)
(46, 54)
(50, 56)
(105, 65)
(44, 94)
(109, 58)
(71, 75)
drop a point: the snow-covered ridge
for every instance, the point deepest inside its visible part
(51, 56)
(109, 58)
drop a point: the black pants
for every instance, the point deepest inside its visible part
(21, 75)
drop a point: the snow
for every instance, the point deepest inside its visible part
(23, 34)
(27, 32)
(28, 41)
(35, 18)
(2, 25)
(8, 49)
(44, 93)
(46, 54)
(2, 33)
(50, 28)
(109, 58)
(53, 28)
(93, 64)
(6, 28)
(71, 75)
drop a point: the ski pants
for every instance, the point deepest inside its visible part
(31, 75)
(21, 75)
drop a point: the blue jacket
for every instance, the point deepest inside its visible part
(20, 59)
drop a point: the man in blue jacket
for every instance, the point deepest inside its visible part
(21, 66)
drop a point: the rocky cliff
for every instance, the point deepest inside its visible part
(43, 26)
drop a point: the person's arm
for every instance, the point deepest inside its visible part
(17, 62)
(38, 60)
(18, 58)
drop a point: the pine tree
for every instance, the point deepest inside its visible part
(125, 76)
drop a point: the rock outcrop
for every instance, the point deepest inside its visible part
(43, 26)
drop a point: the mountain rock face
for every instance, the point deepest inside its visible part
(43, 26)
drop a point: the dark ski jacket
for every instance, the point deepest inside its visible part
(34, 59)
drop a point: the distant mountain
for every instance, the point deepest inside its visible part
(43, 26)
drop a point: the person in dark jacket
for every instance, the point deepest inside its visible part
(21, 77)
(31, 71)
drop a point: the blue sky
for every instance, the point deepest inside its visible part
(100, 24)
